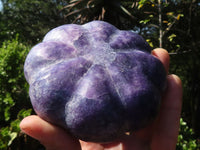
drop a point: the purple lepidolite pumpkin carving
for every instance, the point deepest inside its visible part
(95, 81)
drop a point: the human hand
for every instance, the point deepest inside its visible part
(160, 135)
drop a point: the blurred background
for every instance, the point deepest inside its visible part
(171, 24)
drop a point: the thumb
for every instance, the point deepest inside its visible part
(52, 137)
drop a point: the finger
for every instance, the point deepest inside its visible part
(91, 146)
(163, 56)
(52, 137)
(167, 128)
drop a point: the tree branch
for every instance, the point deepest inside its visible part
(160, 23)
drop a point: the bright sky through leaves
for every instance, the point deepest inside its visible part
(1, 5)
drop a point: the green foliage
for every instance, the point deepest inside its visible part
(186, 139)
(14, 101)
(13, 88)
(9, 133)
(30, 18)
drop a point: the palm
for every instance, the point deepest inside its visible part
(139, 140)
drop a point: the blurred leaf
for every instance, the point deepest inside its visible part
(13, 135)
(170, 13)
(186, 139)
(24, 113)
(144, 21)
(140, 6)
(171, 37)
(150, 43)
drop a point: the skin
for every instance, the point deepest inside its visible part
(160, 135)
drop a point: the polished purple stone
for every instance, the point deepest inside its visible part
(95, 81)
